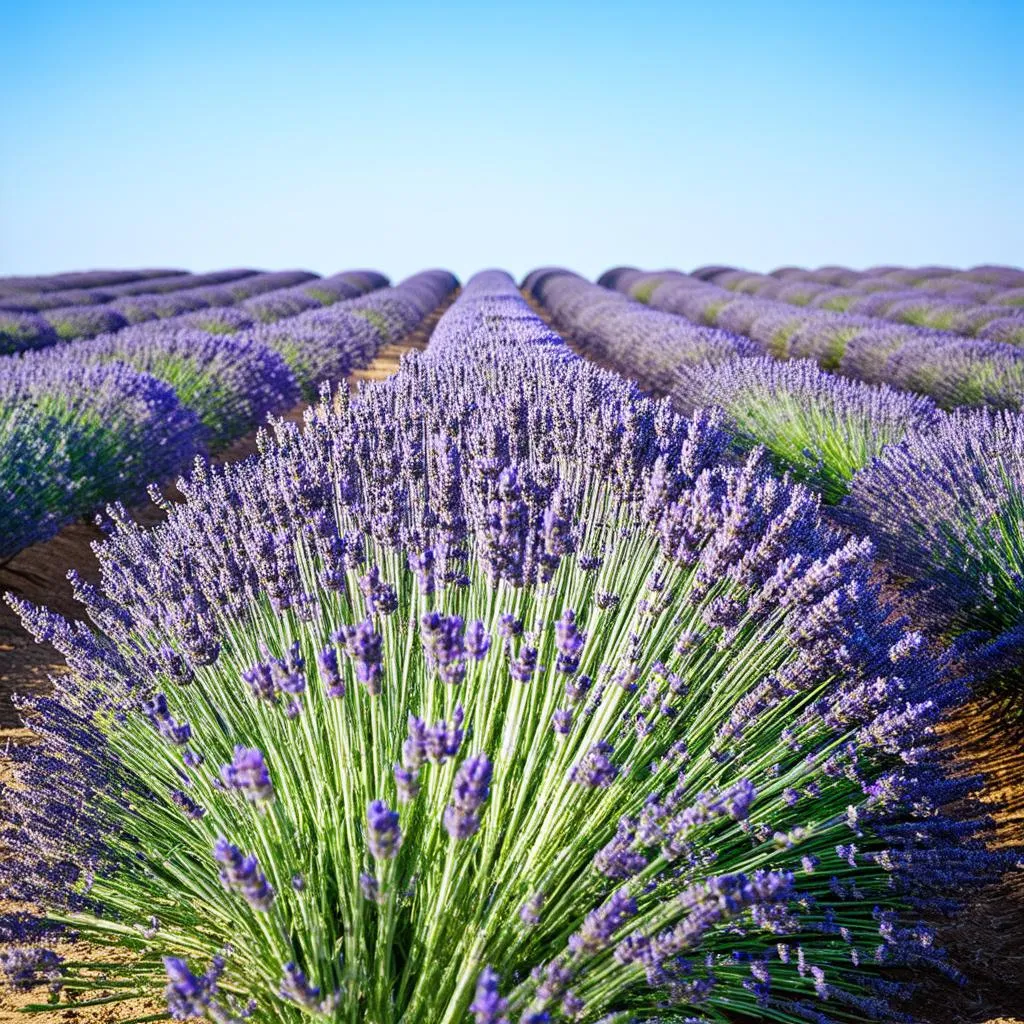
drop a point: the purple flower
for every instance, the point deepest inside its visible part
(488, 1007)
(248, 772)
(327, 662)
(156, 711)
(594, 770)
(477, 640)
(601, 924)
(241, 873)
(189, 996)
(382, 834)
(561, 721)
(363, 644)
(24, 969)
(470, 789)
(295, 987)
(444, 646)
(569, 641)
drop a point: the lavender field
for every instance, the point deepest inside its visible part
(646, 649)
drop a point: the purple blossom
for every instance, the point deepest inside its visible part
(594, 770)
(241, 873)
(382, 834)
(488, 1007)
(26, 968)
(187, 995)
(248, 772)
(469, 790)
(569, 641)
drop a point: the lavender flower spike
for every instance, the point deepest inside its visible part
(382, 833)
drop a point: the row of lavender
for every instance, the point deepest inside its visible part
(97, 420)
(992, 310)
(37, 301)
(254, 292)
(494, 694)
(941, 494)
(941, 279)
(85, 279)
(952, 369)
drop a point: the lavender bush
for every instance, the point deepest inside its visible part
(231, 381)
(22, 331)
(83, 321)
(947, 508)
(820, 427)
(490, 696)
(73, 436)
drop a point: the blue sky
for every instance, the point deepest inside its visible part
(399, 135)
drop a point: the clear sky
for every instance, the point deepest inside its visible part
(401, 135)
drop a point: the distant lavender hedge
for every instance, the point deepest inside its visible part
(953, 370)
(644, 343)
(85, 314)
(81, 279)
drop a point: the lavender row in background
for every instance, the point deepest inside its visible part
(953, 370)
(817, 426)
(610, 328)
(38, 301)
(21, 331)
(68, 448)
(81, 279)
(971, 308)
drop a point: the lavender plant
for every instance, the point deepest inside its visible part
(946, 507)
(490, 695)
(231, 381)
(821, 428)
(73, 436)
(83, 321)
(22, 331)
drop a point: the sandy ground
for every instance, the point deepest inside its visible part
(987, 941)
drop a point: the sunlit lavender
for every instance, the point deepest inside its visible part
(501, 691)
